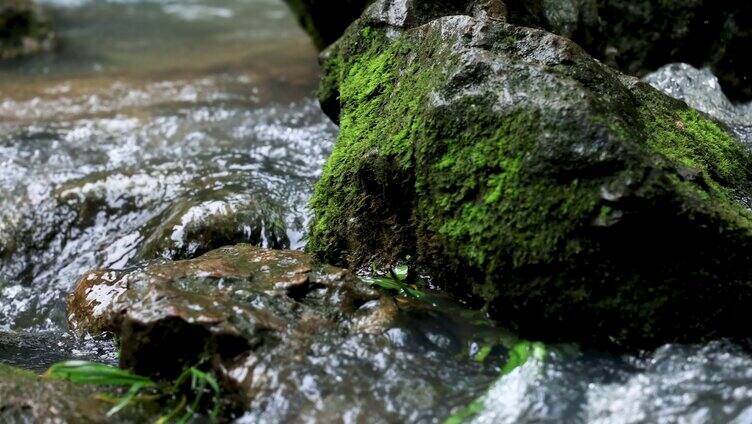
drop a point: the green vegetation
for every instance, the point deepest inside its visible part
(139, 388)
(397, 281)
(380, 121)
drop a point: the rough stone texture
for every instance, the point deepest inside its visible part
(232, 306)
(578, 203)
(635, 37)
(28, 398)
(23, 30)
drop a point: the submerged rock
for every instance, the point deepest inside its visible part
(287, 337)
(578, 203)
(23, 30)
(28, 398)
(193, 227)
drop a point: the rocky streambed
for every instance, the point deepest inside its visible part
(494, 194)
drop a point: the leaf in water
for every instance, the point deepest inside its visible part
(397, 282)
(518, 355)
(464, 414)
(483, 353)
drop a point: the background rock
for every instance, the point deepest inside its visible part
(636, 37)
(23, 30)
(326, 20)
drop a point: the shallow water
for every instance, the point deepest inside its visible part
(155, 107)
(209, 104)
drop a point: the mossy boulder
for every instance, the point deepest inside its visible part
(510, 166)
(23, 29)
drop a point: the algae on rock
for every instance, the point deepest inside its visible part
(578, 203)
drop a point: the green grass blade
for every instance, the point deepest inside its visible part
(126, 400)
(84, 372)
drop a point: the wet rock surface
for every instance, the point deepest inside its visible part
(636, 37)
(192, 227)
(286, 335)
(579, 203)
(23, 29)
(28, 398)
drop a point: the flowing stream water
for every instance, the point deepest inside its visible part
(158, 110)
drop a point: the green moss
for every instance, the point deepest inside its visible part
(380, 120)
(714, 167)
(492, 208)
(695, 141)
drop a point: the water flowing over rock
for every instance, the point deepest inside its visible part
(675, 384)
(285, 334)
(579, 203)
(23, 29)
(700, 89)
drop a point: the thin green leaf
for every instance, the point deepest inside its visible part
(126, 400)
(521, 353)
(401, 272)
(84, 372)
(483, 353)
(164, 419)
(464, 414)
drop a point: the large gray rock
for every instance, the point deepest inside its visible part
(506, 163)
